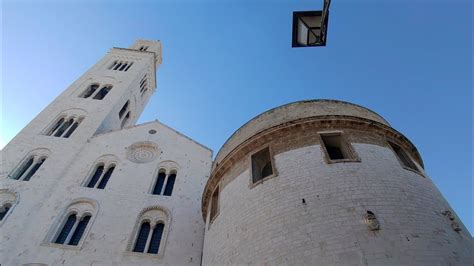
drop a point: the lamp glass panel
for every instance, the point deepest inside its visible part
(312, 21)
(302, 36)
(314, 36)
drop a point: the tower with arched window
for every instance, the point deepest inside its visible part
(83, 184)
(317, 182)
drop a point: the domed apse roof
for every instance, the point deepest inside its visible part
(295, 111)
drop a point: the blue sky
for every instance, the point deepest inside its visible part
(227, 61)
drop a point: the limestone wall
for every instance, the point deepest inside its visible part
(269, 223)
(42, 200)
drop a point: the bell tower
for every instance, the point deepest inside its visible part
(109, 96)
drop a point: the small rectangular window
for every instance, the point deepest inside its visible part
(403, 156)
(337, 148)
(261, 165)
(214, 204)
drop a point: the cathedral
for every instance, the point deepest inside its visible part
(317, 182)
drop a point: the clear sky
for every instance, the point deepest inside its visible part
(227, 61)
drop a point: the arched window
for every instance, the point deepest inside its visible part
(90, 90)
(160, 181)
(166, 181)
(73, 226)
(143, 85)
(4, 210)
(125, 119)
(65, 127)
(142, 237)
(124, 108)
(120, 65)
(29, 166)
(73, 230)
(150, 232)
(103, 92)
(170, 184)
(100, 176)
(8, 200)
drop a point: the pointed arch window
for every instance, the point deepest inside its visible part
(28, 167)
(64, 127)
(164, 183)
(100, 176)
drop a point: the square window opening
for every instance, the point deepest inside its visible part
(261, 165)
(403, 157)
(337, 147)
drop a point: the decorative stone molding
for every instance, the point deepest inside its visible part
(142, 152)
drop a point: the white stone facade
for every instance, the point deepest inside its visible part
(40, 206)
(311, 210)
(270, 225)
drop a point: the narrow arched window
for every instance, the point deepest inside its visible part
(102, 93)
(95, 177)
(71, 129)
(65, 127)
(170, 184)
(113, 64)
(106, 178)
(81, 227)
(117, 66)
(90, 90)
(129, 66)
(149, 236)
(28, 168)
(22, 170)
(56, 126)
(100, 176)
(156, 238)
(164, 184)
(142, 237)
(125, 119)
(143, 85)
(124, 108)
(160, 180)
(33, 170)
(123, 66)
(4, 210)
(71, 220)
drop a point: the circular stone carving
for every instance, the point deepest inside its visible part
(142, 152)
